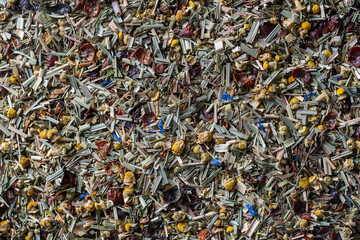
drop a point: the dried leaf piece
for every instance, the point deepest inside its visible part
(103, 147)
(255, 180)
(300, 210)
(79, 4)
(205, 114)
(92, 8)
(195, 70)
(89, 114)
(131, 70)
(55, 93)
(112, 168)
(69, 180)
(186, 32)
(172, 195)
(302, 74)
(339, 207)
(325, 233)
(123, 54)
(25, 4)
(266, 29)
(330, 121)
(164, 9)
(241, 77)
(89, 50)
(60, 8)
(142, 55)
(354, 57)
(277, 211)
(3, 92)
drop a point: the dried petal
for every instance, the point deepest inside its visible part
(142, 55)
(113, 168)
(354, 57)
(92, 8)
(186, 32)
(334, 22)
(149, 118)
(103, 147)
(303, 75)
(115, 195)
(89, 50)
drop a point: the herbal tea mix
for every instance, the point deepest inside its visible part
(179, 119)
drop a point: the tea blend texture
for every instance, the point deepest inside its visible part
(179, 119)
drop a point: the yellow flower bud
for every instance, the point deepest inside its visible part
(222, 211)
(306, 25)
(178, 147)
(327, 53)
(179, 216)
(51, 133)
(31, 205)
(229, 184)
(291, 79)
(11, 113)
(43, 134)
(197, 149)
(174, 43)
(265, 65)
(340, 91)
(182, 226)
(304, 183)
(24, 162)
(205, 137)
(242, 144)
(230, 229)
(205, 156)
(129, 179)
(90, 206)
(303, 130)
(14, 78)
(128, 227)
(315, 9)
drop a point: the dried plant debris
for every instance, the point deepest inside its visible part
(128, 119)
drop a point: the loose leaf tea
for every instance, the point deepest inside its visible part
(191, 119)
